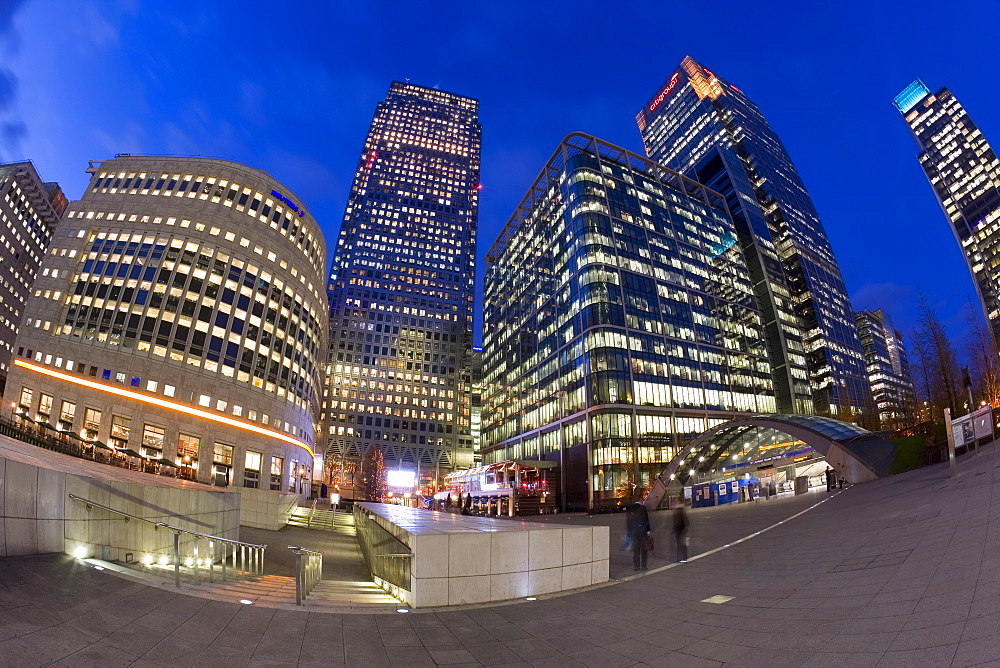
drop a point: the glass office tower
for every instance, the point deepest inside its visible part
(964, 172)
(619, 322)
(401, 287)
(888, 369)
(705, 127)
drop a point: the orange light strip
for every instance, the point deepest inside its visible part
(163, 403)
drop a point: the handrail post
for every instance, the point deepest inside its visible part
(298, 578)
(197, 563)
(211, 561)
(177, 559)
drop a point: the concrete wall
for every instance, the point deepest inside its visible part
(460, 560)
(265, 509)
(37, 515)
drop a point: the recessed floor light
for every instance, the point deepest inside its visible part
(246, 601)
(718, 598)
(531, 598)
(402, 609)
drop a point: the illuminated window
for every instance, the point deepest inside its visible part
(91, 423)
(44, 406)
(277, 464)
(67, 414)
(120, 429)
(251, 469)
(187, 450)
(152, 440)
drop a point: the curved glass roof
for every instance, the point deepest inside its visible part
(832, 429)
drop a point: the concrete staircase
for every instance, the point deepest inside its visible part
(340, 521)
(272, 591)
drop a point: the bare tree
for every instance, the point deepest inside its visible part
(983, 359)
(937, 364)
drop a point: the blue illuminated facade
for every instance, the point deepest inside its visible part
(911, 96)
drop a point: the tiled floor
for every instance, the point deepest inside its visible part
(902, 571)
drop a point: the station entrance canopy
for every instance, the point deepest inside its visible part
(744, 444)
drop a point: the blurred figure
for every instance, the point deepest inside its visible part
(829, 479)
(680, 532)
(639, 531)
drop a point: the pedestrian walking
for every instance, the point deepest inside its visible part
(681, 532)
(640, 534)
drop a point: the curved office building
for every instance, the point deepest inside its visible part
(180, 313)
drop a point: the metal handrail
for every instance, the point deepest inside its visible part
(401, 555)
(308, 571)
(249, 555)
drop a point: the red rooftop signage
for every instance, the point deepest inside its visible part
(666, 91)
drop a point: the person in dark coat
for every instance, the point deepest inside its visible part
(680, 532)
(638, 532)
(829, 479)
(324, 491)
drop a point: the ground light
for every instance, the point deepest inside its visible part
(531, 598)
(246, 601)
(80, 552)
(402, 609)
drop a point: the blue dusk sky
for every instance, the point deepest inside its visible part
(290, 88)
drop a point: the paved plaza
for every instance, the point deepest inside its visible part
(902, 571)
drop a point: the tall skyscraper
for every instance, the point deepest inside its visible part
(888, 369)
(619, 322)
(401, 287)
(964, 172)
(180, 313)
(29, 211)
(705, 127)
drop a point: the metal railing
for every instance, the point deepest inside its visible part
(247, 559)
(308, 571)
(387, 557)
(45, 435)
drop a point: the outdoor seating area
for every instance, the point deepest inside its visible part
(46, 435)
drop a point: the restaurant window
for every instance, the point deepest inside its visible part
(121, 427)
(91, 423)
(152, 440)
(66, 415)
(277, 464)
(187, 450)
(44, 407)
(251, 469)
(222, 457)
(27, 394)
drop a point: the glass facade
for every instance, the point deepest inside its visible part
(964, 172)
(888, 369)
(705, 127)
(401, 287)
(619, 322)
